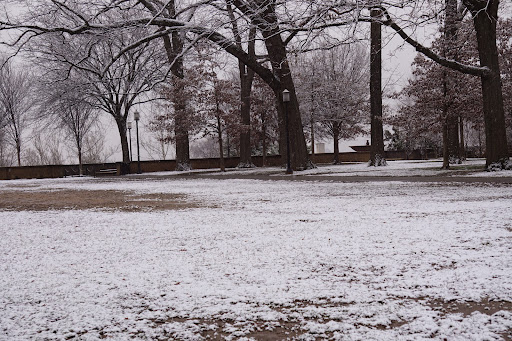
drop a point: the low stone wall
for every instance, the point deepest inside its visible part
(59, 171)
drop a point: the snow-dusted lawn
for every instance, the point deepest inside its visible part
(432, 168)
(348, 261)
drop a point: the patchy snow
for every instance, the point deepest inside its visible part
(350, 261)
(471, 167)
(394, 168)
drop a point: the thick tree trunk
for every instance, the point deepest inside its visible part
(462, 147)
(18, 151)
(264, 140)
(336, 138)
(485, 16)
(246, 79)
(298, 150)
(80, 165)
(174, 48)
(121, 127)
(264, 16)
(377, 135)
(222, 164)
(450, 119)
(181, 129)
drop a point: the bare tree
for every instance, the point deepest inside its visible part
(109, 79)
(94, 148)
(17, 102)
(281, 22)
(46, 149)
(67, 109)
(246, 80)
(337, 89)
(157, 142)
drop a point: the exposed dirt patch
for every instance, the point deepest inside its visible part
(295, 325)
(467, 308)
(97, 199)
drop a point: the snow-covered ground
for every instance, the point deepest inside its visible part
(347, 261)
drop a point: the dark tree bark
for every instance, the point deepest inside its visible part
(336, 138)
(18, 151)
(485, 16)
(78, 141)
(246, 79)
(450, 118)
(121, 127)
(264, 17)
(377, 135)
(174, 49)
(312, 124)
(263, 140)
(80, 163)
(222, 164)
(462, 145)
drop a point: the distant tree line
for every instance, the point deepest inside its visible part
(98, 58)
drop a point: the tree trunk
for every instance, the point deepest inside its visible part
(80, 165)
(377, 135)
(173, 45)
(79, 152)
(264, 140)
(276, 49)
(485, 16)
(452, 126)
(312, 123)
(245, 118)
(222, 165)
(446, 158)
(298, 150)
(450, 119)
(480, 141)
(121, 127)
(181, 132)
(462, 147)
(18, 150)
(336, 138)
(174, 48)
(246, 79)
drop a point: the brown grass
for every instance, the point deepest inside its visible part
(96, 199)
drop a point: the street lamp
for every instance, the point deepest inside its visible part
(129, 127)
(136, 117)
(286, 100)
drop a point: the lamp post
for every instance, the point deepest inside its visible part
(286, 100)
(136, 117)
(129, 127)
